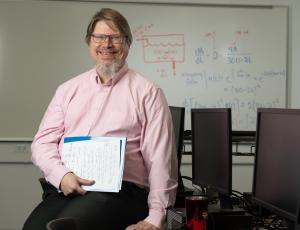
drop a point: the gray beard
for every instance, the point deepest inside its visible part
(108, 70)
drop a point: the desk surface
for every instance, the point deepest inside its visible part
(176, 221)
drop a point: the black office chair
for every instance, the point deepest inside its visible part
(45, 185)
(178, 114)
(66, 223)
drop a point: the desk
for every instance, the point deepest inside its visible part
(216, 220)
(176, 221)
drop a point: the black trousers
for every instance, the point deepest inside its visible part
(94, 210)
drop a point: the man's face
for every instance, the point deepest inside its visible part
(108, 51)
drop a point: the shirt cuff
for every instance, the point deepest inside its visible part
(56, 175)
(156, 218)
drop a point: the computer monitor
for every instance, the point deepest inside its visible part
(277, 159)
(178, 114)
(212, 151)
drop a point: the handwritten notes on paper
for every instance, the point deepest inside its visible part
(96, 158)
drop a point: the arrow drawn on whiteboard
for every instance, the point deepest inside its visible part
(238, 35)
(174, 67)
(212, 36)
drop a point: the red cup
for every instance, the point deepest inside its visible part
(196, 212)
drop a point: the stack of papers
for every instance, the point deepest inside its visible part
(96, 158)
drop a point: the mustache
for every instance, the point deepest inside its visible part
(107, 50)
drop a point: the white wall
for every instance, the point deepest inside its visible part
(20, 189)
(295, 55)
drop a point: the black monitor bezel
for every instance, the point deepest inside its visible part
(221, 190)
(181, 134)
(268, 206)
(179, 146)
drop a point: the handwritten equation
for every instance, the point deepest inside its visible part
(243, 110)
(229, 80)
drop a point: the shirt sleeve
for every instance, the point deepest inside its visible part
(45, 145)
(159, 152)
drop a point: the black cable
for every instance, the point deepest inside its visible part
(276, 223)
(198, 189)
(235, 191)
(244, 202)
(247, 205)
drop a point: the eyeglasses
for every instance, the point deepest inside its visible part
(115, 38)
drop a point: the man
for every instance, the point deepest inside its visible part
(109, 100)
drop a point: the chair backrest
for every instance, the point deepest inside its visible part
(45, 185)
(178, 124)
(65, 223)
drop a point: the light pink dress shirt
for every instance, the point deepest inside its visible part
(128, 105)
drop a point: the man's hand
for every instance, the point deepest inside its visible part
(142, 225)
(71, 184)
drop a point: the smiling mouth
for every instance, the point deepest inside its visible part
(106, 52)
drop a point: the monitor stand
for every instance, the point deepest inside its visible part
(225, 206)
(293, 226)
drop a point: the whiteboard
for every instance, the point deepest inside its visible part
(201, 56)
